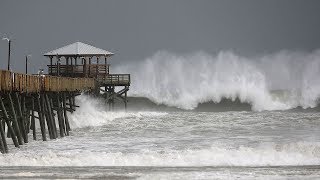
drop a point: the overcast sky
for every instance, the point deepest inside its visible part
(136, 29)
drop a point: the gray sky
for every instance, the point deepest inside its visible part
(136, 29)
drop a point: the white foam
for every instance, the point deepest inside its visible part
(184, 81)
(293, 154)
(93, 113)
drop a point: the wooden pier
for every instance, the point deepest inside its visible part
(45, 99)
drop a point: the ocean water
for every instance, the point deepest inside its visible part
(192, 116)
(174, 145)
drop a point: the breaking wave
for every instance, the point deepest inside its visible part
(294, 154)
(279, 81)
(92, 113)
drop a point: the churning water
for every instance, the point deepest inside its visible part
(194, 134)
(180, 145)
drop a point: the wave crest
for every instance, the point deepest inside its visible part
(184, 81)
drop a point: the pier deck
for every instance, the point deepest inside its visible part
(25, 99)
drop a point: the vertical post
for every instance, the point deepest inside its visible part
(58, 64)
(21, 118)
(113, 98)
(25, 113)
(125, 98)
(65, 114)
(72, 74)
(33, 123)
(50, 69)
(70, 102)
(105, 95)
(41, 110)
(45, 109)
(67, 65)
(105, 64)
(10, 129)
(3, 141)
(74, 101)
(89, 66)
(51, 117)
(9, 54)
(15, 121)
(75, 63)
(108, 96)
(97, 67)
(60, 116)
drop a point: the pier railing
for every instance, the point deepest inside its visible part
(11, 81)
(87, 70)
(116, 79)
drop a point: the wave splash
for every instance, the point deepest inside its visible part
(92, 113)
(185, 81)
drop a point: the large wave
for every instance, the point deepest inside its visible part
(185, 81)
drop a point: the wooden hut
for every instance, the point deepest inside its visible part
(78, 60)
(83, 60)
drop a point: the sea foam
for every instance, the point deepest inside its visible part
(293, 154)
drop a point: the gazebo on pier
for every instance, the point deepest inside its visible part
(83, 60)
(78, 60)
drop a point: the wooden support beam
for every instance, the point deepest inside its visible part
(50, 117)
(74, 101)
(15, 121)
(64, 99)
(60, 116)
(47, 115)
(55, 130)
(26, 114)
(21, 119)
(3, 141)
(33, 122)
(41, 110)
(7, 120)
(125, 99)
(71, 105)
(110, 96)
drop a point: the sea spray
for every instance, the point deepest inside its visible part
(186, 80)
(92, 112)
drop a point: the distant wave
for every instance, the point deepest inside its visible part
(185, 81)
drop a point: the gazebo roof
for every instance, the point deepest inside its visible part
(79, 49)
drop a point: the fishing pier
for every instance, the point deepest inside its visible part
(45, 99)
